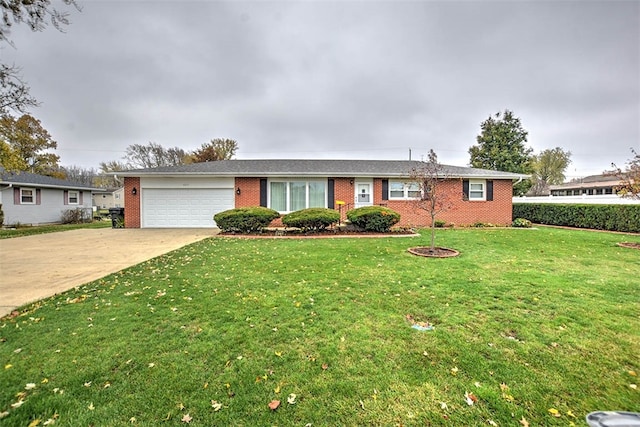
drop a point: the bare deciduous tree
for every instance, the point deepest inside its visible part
(429, 177)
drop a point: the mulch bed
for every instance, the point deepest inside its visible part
(282, 234)
(436, 252)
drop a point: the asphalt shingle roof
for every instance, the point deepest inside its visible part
(26, 178)
(324, 168)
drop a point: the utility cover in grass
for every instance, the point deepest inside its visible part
(419, 325)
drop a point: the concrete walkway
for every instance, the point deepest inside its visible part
(40, 266)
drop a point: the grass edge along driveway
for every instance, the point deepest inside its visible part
(533, 327)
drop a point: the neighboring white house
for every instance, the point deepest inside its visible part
(108, 198)
(28, 198)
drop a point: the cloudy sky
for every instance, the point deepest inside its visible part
(337, 79)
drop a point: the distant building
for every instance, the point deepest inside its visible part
(594, 189)
(109, 198)
(594, 185)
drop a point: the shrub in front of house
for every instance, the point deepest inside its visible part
(245, 220)
(521, 223)
(373, 218)
(76, 216)
(312, 219)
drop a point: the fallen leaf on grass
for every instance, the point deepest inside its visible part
(291, 399)
(492, 423)
(273, 405)
(325, 366)
(49, 422)
(17, 404)
(186, 418)
(362, 404)
(554, 412)
(91, 407)
(454, 371)
(633, 386)
(470, 398)
(35, 422)
(30, 386)
(443, 405)
(216, 405)
(4, 414)
(524, 422)
(633, 373)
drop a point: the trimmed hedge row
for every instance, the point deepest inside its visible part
(597, 217)
(254, 219)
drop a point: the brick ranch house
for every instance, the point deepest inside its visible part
(189, 195)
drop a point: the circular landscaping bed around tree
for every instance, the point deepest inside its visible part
(436, 252)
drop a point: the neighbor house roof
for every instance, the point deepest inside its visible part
(591, 181)
(314, 168)
(35, 180)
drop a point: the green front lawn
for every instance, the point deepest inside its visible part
(535, 326)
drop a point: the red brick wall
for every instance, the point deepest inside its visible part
(131, 202)
(343, 190)
(460, 212)
(249, 192)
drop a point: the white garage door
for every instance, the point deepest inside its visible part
(169, 207)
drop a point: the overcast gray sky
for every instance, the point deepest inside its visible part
(343, 80)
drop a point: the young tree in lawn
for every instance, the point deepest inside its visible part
(629, 178)
(548, 169)
(216, 149)
(429, 177)
(502, 147)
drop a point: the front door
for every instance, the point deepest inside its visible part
(363, 193)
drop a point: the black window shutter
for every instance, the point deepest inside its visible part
(465, 189)
(17, 199)
(489, 190)
(385, 189)
(331, 188)
(263, 192)
(38, 196)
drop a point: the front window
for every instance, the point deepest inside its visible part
(477, 190)
(404, 190)
(27, 196)
(289, 196)
(73, 197)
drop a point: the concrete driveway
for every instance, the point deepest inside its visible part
(36, 267)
